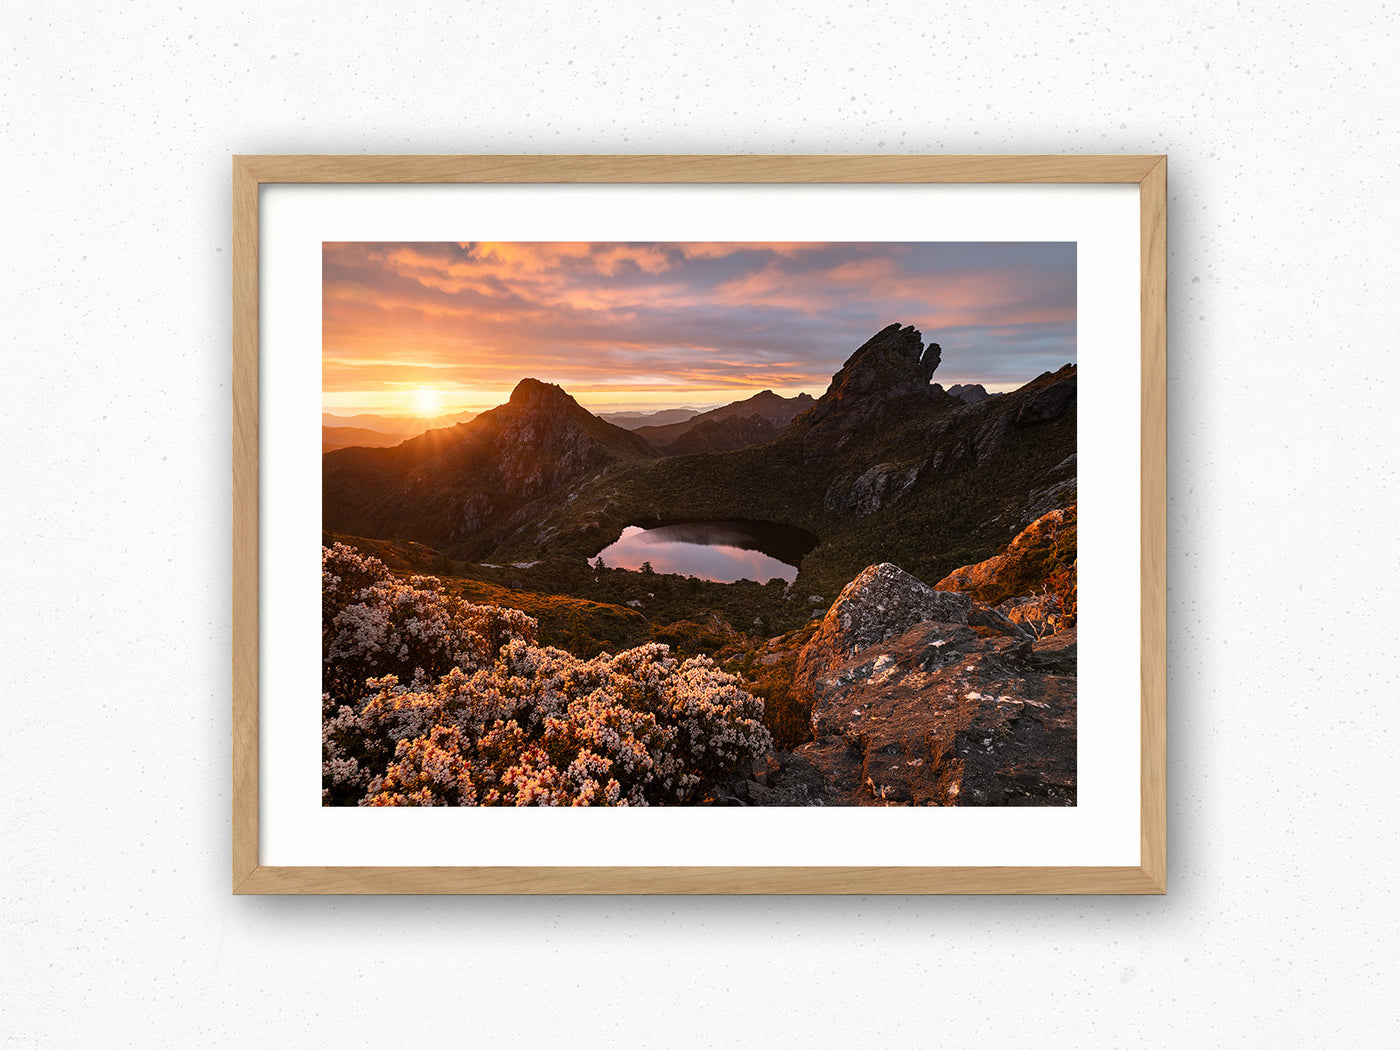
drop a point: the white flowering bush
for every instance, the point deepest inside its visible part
(432, 701)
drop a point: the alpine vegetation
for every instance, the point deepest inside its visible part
(433, 701)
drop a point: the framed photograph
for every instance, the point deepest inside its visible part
(699, 524)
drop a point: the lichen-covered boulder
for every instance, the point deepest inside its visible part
(881, 602)
(926, 697)
(942, 716)
(884, 601)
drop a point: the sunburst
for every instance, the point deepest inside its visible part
(427, 402)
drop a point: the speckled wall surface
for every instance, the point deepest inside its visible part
(1280, 926)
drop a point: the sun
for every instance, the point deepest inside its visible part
(427, 402)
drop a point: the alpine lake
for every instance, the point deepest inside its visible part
(722, 551)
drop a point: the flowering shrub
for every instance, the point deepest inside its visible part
(432, 701)
(373, 624)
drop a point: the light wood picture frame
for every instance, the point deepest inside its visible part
(252, 173)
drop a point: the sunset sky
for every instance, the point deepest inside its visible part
(422, 328)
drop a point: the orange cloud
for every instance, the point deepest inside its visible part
(477, 316)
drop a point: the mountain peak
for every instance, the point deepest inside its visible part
(892, 363)
(450, 486)
(532, 393)
(894, 353)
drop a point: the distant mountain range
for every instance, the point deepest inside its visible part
(409, 426)
(885, 464)
(343, 437)
(671, 431)
(374, 431)
(969, 392)
(763, 415)
(660, 418)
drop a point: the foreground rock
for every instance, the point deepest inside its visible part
(925, 697)
(880, 603)
(1042, 615)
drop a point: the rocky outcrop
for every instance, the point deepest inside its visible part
(1058, 654)
(894, 361)
(1060, 489)
(925, 697)
(977, 432)
(872, 490)
(983, 730)
(1041, 614)
(893, 367)
(880, 603)
(1047, 546)
(1049, 404)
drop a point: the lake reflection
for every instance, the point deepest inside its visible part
(723, 551)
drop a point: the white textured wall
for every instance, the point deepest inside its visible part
(115, 128)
